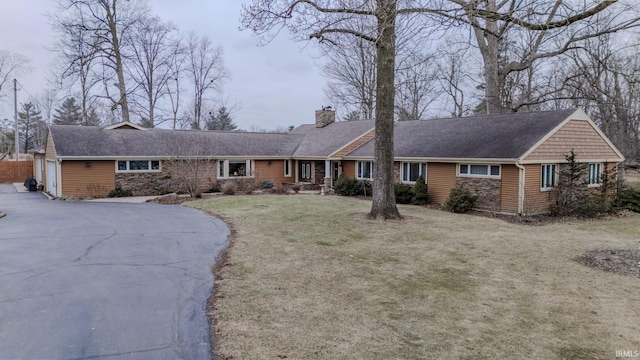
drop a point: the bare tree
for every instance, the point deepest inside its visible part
(604, 78)
(152, 54)
(10, 65)
(190, 164)
(452, 81)
(177, 65)
(47, 101)
(206, 67)
(351, 70)
(106, 22)
(554, 27)
(75, 47)
(416, 86)
(333, 22)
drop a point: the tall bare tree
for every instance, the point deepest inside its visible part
(334, 22)
(554, 27)
(206, 67)
(604, 78)
(153, 48)
(10, 65)
(351, 71)
(107, 23)
(417, 86)
(75, 47)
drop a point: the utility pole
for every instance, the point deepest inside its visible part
(15, 115)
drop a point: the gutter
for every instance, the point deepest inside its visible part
(521, 174)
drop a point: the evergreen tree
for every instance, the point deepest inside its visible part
(93, 119)
(68, 114)
(221, 120)
(31, 127)
(420, 192)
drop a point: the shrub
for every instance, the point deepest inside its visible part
(420, 192)
(213, 189)
(120, 192)
(628, 198)
(346, 186)
(461, 200)
(266, 184)
(229, 188)
(404, 193)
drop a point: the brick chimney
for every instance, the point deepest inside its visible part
(325, 116)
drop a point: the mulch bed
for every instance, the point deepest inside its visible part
(623, 262)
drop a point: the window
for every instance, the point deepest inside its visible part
(287, 168)
(235, 168)
(595, 173)
(412, 171)
(138, 165)
(479, 170)
(549, 178)
(365, 170)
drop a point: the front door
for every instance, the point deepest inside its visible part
(304, 171)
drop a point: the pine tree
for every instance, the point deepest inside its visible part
(93, 119)
(31, 127)
(68, 114)
(221, 121)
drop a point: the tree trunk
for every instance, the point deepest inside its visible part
(384, 200)
(113, 29)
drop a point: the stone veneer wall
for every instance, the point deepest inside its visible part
(145, 184)
(318, 172)
(488, 191)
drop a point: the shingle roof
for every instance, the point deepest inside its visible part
(89, 141)
(506, 136)
(322, 142)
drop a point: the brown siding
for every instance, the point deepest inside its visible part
(509, 189)
(50, 151)
(349, 168)
(535, 200)
(80, 180)
(15, 171)
(441, 178)
(578, 135)
(356, 143)
(273, 170)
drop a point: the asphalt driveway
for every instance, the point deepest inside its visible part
(91, 280)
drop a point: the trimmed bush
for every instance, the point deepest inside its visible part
(120, 192)
(461, 200)
(420, 192)
(404, 193)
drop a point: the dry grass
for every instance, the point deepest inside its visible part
(312, 278)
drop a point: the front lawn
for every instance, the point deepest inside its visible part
(309, 277)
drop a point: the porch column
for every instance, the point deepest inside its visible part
(327, 176)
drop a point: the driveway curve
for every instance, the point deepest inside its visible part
(84, 280)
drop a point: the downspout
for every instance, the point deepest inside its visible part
(520, 187)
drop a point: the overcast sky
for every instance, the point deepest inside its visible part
(276, 85)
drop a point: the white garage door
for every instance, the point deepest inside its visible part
(51, 178)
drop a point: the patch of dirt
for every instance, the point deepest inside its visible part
(538, 220)
(170, 199)
(622, 262)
